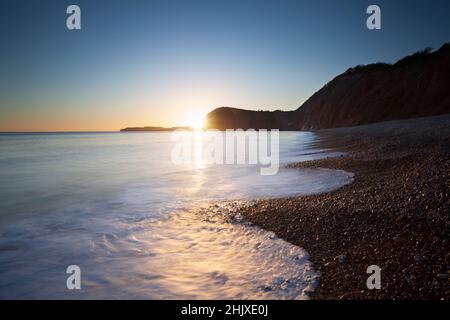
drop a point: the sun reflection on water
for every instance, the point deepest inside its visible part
(198, 149)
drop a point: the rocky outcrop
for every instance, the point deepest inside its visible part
(232, 118)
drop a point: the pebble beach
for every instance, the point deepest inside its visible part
(394, 215)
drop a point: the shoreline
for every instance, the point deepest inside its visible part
(394, 214)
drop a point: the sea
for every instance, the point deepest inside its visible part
(139, 226)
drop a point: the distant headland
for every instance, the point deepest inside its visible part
(141, 129)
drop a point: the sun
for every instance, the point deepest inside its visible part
(197, 121)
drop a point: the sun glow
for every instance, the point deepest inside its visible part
(197, 121)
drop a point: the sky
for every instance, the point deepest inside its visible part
(164, 63)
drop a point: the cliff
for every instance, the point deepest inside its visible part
(415, 86)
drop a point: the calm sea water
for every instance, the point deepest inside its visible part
(115, 205)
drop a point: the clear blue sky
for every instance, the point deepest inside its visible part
(161, 62)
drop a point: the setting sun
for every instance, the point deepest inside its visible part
(197, 121)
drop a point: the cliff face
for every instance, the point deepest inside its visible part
(415, 86)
